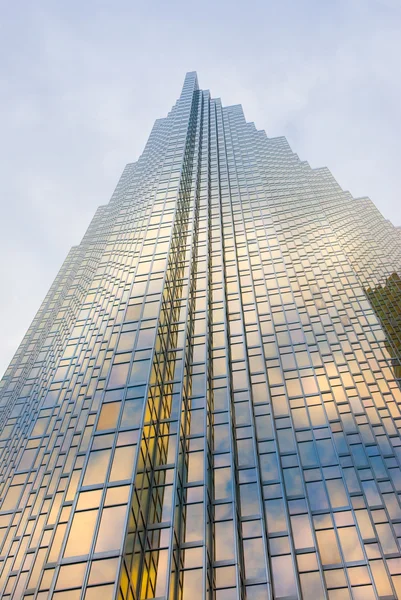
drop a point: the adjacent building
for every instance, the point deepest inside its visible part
(207, 404)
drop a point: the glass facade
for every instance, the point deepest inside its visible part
(207, 404)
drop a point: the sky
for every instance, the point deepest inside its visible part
(81, 84)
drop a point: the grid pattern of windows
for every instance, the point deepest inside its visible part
(207, 404)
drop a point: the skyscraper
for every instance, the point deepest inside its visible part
(207, 404)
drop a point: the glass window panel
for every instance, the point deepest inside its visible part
(193, 585)
(307, 562)
(340, 594)
(133, 312)
(225, 576)
(89, 499)
(194, 523)
(126, 341)
(123, 463)
(359, 575)
(381, 579)
(167, 496)
(300, 418)
(335, 578)
(286, 440)
(71, 576)
(103, 571)
(227, 594)
(293, 482)
(221, 438)
(68, 595)
(139, 372)
(365, 592)
(371, 493)
(222, 483)
(195, 466)
(308, 454)
(193, 557)
(117, 495)
(109, 415)
(161, 572)
(317, 416)
(224, 540)
(118, 375)
(57, 541)
(275, 516)
(249, 499)
(364, 524)
(12, 497)
(269, 467)
(256, 592)
(397, 585)
(81, 534)
(97, 467)
(337, 493)
(302, 532)
(327, 454)
(105, 592)
(311, 585)
(350, 544)
(387, 539)
(283, 577)
(328, 549)
(317, 496)
(254, 558)
(132, 413)
(27, 459)
(111, 529)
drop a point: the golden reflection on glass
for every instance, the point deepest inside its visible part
(283, 577)
(118, 375)
(254, 558)
(350, 544)
(224, 540)
(89, 499)
(109, 415)
(311, 586)
(71, 576)
(103, 571)
(57, 541)
(194, 523)
(105, 592)
(275, 516)
(81, 533)
(161, 573)
(328, 549)
(111, 529)
(69, 595)
(123, 463)
(193, 585)
(380, 577)
(302, 532)
(97, 467)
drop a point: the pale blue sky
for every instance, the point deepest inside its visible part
(81, 83)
